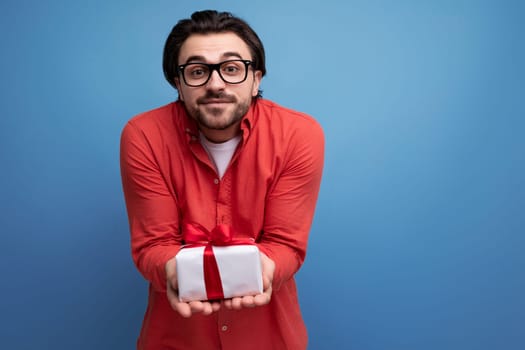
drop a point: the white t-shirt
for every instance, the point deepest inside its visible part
(220, 153)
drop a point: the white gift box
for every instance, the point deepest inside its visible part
(239, 269)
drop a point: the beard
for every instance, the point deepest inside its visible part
(218, 118)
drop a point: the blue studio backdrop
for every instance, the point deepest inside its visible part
(418, 237)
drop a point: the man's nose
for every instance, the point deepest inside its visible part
(215, 81)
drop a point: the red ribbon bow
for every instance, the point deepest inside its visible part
(196, 235)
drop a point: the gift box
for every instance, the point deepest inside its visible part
(218, 269)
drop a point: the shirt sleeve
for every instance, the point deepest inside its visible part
(291, 204)
(152, 209)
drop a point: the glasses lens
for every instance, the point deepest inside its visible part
(232, 72)
(196, 74)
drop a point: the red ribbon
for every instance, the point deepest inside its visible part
(196, 235)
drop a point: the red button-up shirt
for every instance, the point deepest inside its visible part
(268, 191)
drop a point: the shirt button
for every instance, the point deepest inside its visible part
(216, 181)
(224, 328)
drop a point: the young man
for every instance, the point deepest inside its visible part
(220, 155)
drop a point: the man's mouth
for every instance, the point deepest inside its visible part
(215, 101)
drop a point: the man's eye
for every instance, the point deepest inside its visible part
(197, 72)
(231, 69)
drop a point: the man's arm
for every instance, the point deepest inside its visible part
(291, 204)
(152, 209)
(289, 212)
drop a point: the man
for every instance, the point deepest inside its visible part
(220, 155)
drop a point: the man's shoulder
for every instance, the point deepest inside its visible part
(157, 124)
(278, 115)
(154, 116)
(295, 133)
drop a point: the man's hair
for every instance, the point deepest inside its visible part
(209, 22)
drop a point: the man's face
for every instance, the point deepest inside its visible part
(217, 106)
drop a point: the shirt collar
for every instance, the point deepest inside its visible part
(187, 125)
(248, 121)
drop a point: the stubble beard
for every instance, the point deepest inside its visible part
(219, 118)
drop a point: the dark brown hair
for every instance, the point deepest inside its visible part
(206, 22)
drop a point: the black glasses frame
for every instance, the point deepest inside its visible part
(214, 67)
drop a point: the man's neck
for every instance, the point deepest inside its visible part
(220, 136)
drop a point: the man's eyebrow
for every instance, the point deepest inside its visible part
(226, 55)
(195, 58)
(231, 54)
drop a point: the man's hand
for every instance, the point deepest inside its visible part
(183, 308)
(268, 268)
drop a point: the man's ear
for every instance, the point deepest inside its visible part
(177, 84)
(257, 77)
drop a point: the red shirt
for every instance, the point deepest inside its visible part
(268, 191)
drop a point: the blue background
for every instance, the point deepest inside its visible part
(418, 238)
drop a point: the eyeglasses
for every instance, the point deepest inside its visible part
(198, 74)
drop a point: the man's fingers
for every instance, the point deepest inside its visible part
(268, 269)
(267, 282)
(261, 299)
(205, 307)
(196, 306)
(237, 303)
(215, 306)
(182, 308)
(248, 301)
